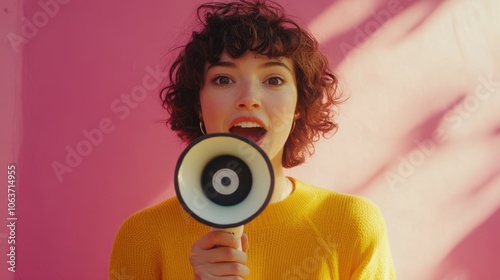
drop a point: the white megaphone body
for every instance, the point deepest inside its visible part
(224, 181)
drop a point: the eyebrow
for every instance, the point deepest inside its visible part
(276, 63)
(233, 65)
(222, 64)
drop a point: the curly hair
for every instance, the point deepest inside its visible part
(261, 27)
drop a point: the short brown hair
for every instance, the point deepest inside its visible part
(261, 27)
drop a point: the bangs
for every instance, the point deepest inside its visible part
(238, 38)
(235, 31)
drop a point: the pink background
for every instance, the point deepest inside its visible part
(420, 134)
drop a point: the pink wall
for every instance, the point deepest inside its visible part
(420, 134)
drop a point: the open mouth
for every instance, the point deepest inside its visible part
(250, 130)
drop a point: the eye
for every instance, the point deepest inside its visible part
(275, 81)
(222, 80)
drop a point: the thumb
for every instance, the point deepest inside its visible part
(244, 242)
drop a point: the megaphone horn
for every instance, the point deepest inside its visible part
(224, 181)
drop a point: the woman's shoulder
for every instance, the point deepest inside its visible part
(153, 217)
(160, 209)
(338, 199)
(353, 209)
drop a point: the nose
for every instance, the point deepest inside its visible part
(249, 98)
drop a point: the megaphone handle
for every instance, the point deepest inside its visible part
(236, 231)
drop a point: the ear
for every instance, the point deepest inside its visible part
(198, 111)
(296, 116)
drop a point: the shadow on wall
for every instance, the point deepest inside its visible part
(462, 262)
(341, 43)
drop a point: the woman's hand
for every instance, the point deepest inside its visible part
(216, 256)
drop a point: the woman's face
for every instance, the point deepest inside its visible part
(253, 96)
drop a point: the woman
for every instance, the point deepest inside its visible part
(252, 71)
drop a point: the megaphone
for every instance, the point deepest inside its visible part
(224, 181)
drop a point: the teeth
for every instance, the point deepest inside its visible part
(248, 124)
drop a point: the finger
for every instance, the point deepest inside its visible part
(244, 242)
(218, 255)
(216, 238)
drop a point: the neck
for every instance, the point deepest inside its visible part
(282, 186)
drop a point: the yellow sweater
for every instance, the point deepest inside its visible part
(313, 234)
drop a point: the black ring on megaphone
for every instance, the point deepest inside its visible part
(233, 165)
(241, 138)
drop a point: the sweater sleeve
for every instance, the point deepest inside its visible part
(374, 260)
(135, 256)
